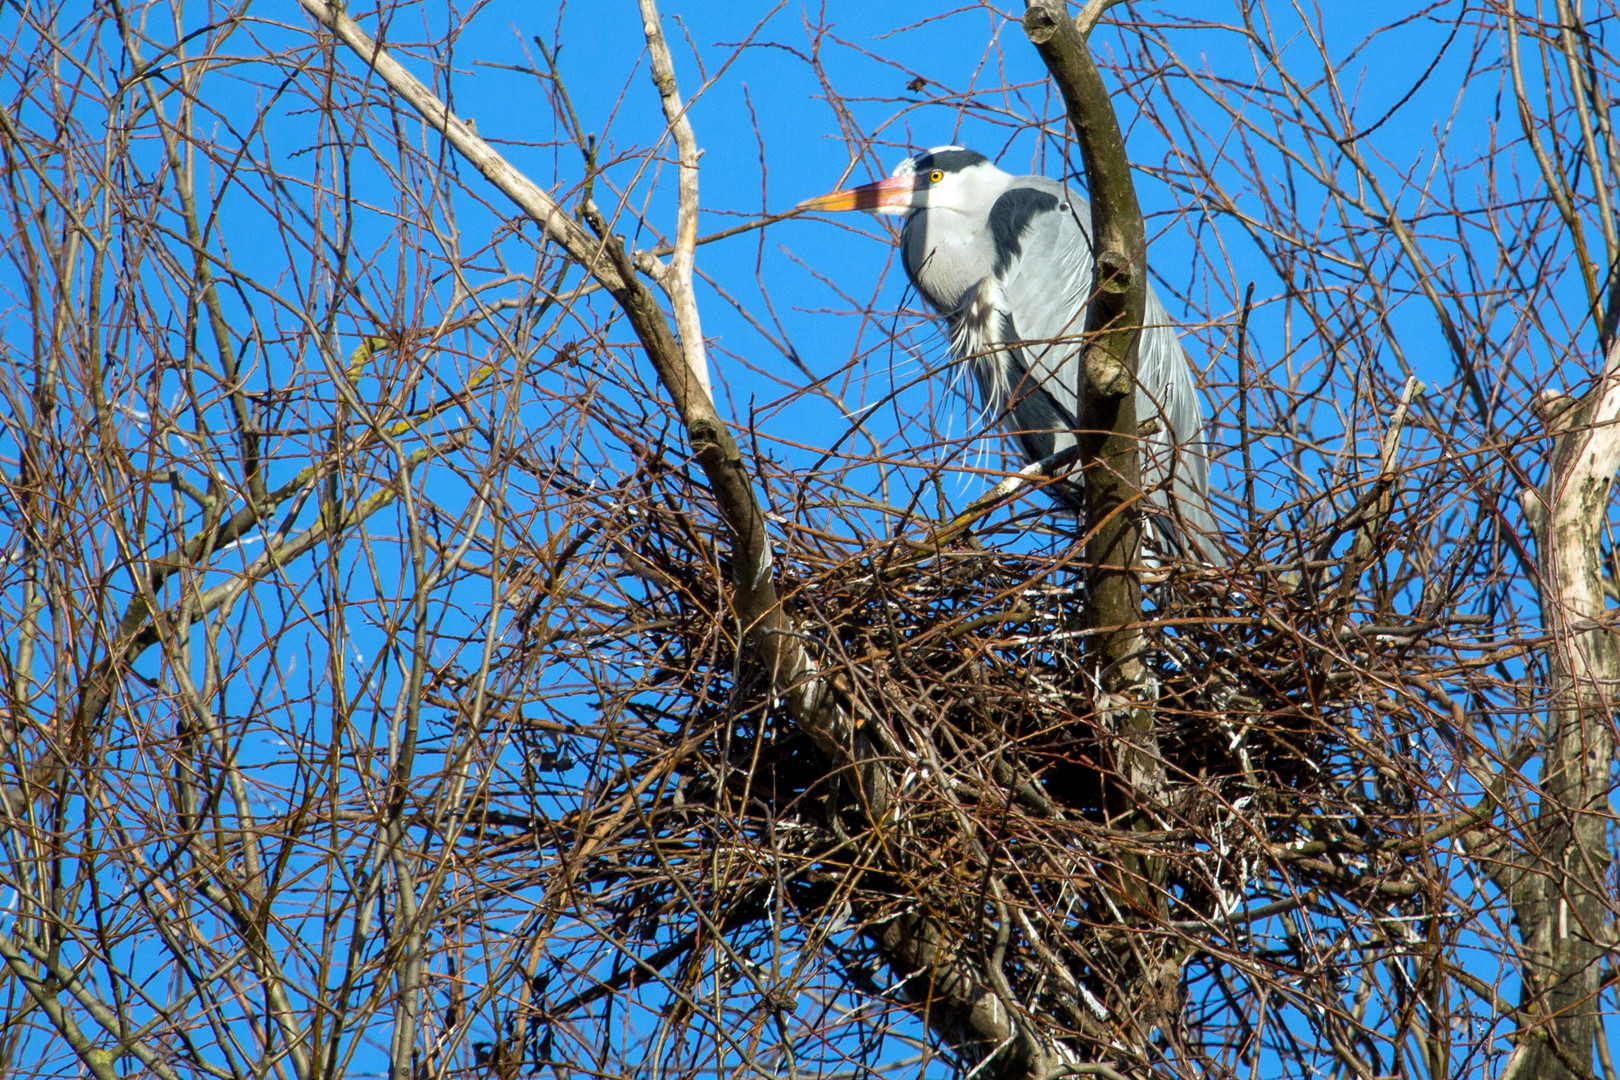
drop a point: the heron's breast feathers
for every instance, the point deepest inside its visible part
(977, 336)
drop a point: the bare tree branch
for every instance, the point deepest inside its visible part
(677, 279)
(1092, 13)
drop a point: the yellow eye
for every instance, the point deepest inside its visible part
(935, 177)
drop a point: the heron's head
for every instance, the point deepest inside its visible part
(944, 178)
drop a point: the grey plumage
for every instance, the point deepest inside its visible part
(1007, 262)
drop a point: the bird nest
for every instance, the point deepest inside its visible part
(1259, 692)
(990, 796)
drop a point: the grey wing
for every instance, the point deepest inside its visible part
(1042, 279)
(1179, 449)
(1045, 287)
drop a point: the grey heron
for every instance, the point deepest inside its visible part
(1006, 261)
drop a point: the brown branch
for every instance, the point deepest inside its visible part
(1107, 431)
(1107, 426)
(726, 234)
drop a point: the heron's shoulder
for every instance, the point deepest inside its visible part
(1051, 187)
(1013, 214)
(1035, 210)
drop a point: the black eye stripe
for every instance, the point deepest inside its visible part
(947, 160)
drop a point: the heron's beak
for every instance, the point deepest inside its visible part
(888, 196)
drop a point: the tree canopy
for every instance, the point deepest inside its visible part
(490, 588)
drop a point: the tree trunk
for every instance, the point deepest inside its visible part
(1558, 887)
